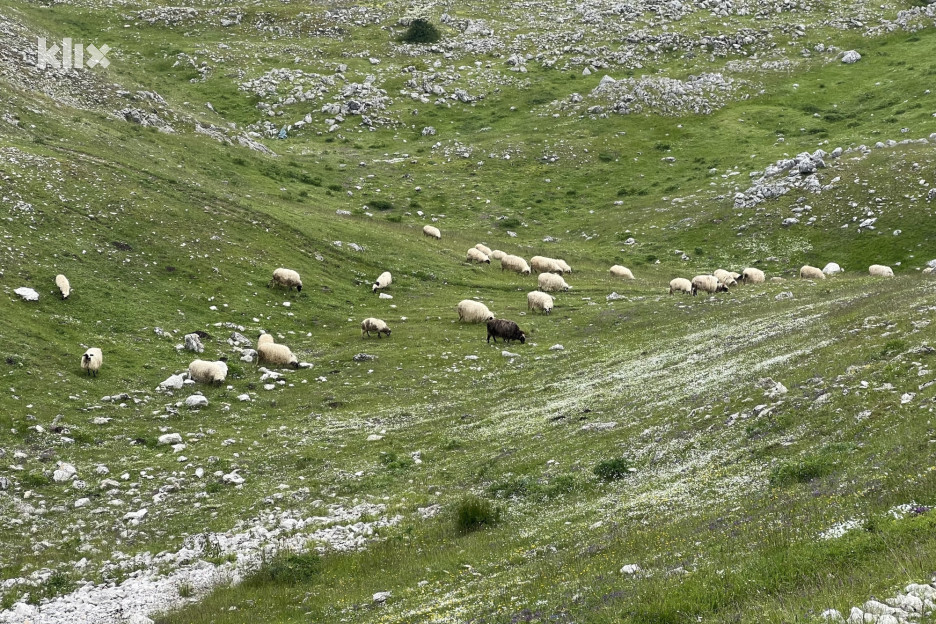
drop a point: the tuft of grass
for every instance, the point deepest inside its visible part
(802, 470)
(473, 513)
(287, 568)
(613, 469)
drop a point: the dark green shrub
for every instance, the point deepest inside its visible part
(287, 568)
(473, 512)
(612, 469)
(421, 31)
(380, 204)
(801, 471)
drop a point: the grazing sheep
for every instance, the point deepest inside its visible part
(277, 355)
(62, 282)
(265, 339)
(725, 277)
(708, 283)
(752, 276)
(680, 284)
(476, 255)
(287, 278)
(515, 264)
(537, 300)
(502, 328)
(549, 282)
(429, 230)
(497, 254)
(619, 271)
(810, 272)
(383, 281)
(880, 270)
(204, 371)
(91, 361)
(484, 249)
(542, 264)
(563, 265)
(471, 311)
(831, 269)
(372, 324)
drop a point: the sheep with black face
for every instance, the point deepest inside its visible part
(502, 328)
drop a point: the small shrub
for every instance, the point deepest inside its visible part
(662, 147)
(801, 471)
(380, 204)
(213, 487)
(288, 568)
(421, 31)
(612, 469)
(393, 462)
(473, 512)
(334, 187)
(186, 590)
(34, 480)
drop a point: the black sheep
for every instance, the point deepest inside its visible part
(502, 328)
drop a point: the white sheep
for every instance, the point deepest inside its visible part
(542, 264)
(429, 230)
(563, 265)
(708, 283)
(680, 284)
(62, 282)
(811, 272)
(620, 271)
(725, 277)
(476, 255)
(383, 281)
(752, 276)
(372, 324)
(549, 282)
(287, 278)
(276, 354)
(471, 311)
(204, 371)
(832, 268)
(265, 339)
(537, 300)
(880, 270)
(484, 249)
(497, 254)
(515, 264)
(91, 361)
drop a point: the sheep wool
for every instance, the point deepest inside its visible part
(619, 271)
(471, 311)
(725, 277)
(62, 282)
(383, 281)
(550, 282)
(204, 371)
(91, 361)
(810, 272)
(287, 278)
(537, 300)
(502, 328)
(752, 276)
(563, 265)
(680, 284)
(432, 232)
(880, 270)
(708, 283)
(832, 268)
(497, 254)
(277, 355)
(372, 324)
(476, 255)
(542, 264)
(484, 249)
(515, 264)
(265, 339)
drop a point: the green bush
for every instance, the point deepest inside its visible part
(612, 469)
(801, 471)
(421, 31)
(380, 204)
(473, 512)
(287, 568)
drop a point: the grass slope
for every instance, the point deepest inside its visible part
(724, 494)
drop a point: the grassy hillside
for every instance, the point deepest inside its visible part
(761, 455)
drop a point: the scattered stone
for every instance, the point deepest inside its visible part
(631, 568)
(557, 347)
(64, 472)
(363, 357)
(786, 294)
(508, 354)
(381, 597)
(196, 401)
(193, 343)
(851, 57)
(174, 382)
